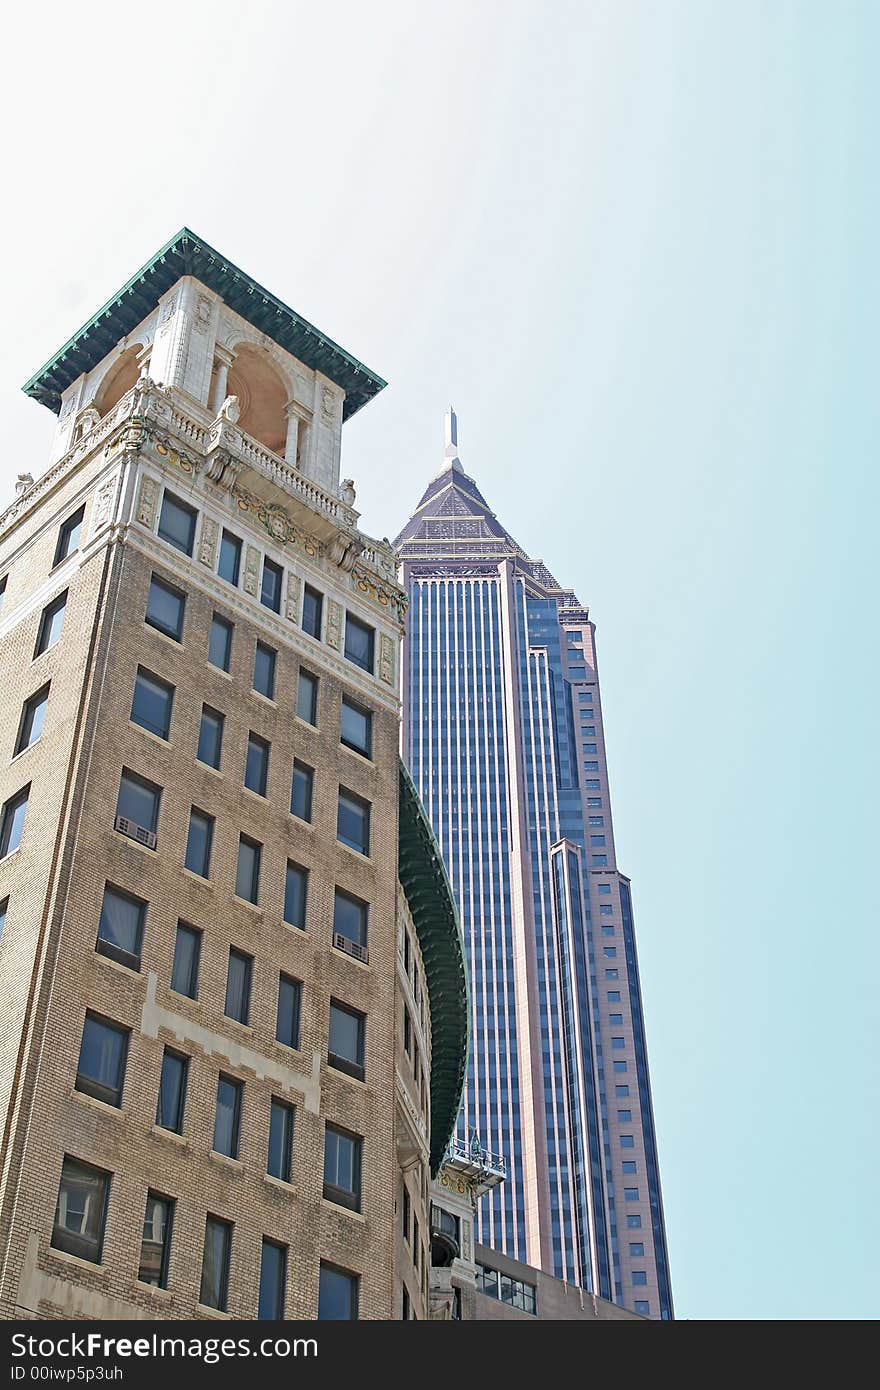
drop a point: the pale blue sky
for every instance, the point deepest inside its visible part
(635, 244)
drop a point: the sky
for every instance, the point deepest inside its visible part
(635, 245)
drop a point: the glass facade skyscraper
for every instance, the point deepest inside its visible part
(503, 735)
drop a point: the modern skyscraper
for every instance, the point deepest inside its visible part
(503, 736)
(234, 1022)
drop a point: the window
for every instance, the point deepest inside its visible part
(615, 1020)
(230, 558)
(220, 643)
(592, 784)
(631, 1194)
(287, 1021)
(156, 1241)
(634, 1221)
(199, 839)
(68, 536)
(406, 1310)
(151, 703)
(214, 1289)
(264, 670)
(103, 1051)
(177, 523)
(187, 954)
(337, 1295)
(599, 861)
(405, 1215)
(589, 748)
(172, 1091)
(357, 728)
(350, 917)
(270, 589)
(613, 996)
(607, 931)
(606, 909)
(604, 888)
(81, 1210)
(247, 873)
(353, 821)
(627, 1141)
(597, 801)
(165, 608)
(312, 605)
(256, 767)
(342, 1167)
(295, 887)
(359, 643)
(618, 1043)
(4, 908)
(51, 623)
(138, 801)
(416, 1244)
(273, 1281)
(613, 974)
(620, 1067)
(345, 1049)
(624, 1116)
(3, 580)
(591, 766)
(210, 737)
(407, 1032)
(32, 716)
(227, 1119)
(595, 820)
(513, 1291)
(301, 791)
(588, 731)
(622, 1092)
(609, 951)
(637, 1247)
(121, 928)
(585, 697)
(640, 1276)
(307, 697)
(628, 1166)
(12, 821)
(278, 1163)
(643, 1307)
(238, 986)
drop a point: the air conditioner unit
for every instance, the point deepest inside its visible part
(351, 948)
(135, 831)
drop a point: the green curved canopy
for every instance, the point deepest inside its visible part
(428, 893)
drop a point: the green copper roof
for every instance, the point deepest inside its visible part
(429, 895)
(187, 254)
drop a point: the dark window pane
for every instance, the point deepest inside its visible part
(151, 703)
(165, 608)
(264, 670)
(12, 821)
(4, 908)
(210, 737)
(198, 842)
(247, 873)
(121, 928)
(353, 822)
(256, 767)
(280, 1140)
(68, 536)
(342, 1167)
(156, 1241)
(138, 800)
(301, 791)
(81, 1210)
(359, 641)
(51, 623)
(289, 1008)
(238, 987)
(230, 558)
(346, 1044)
(312, 605)
(270, 590)
(100, 1071)
(187, 953)
(32, 718)
(220, 643)
(215, 1264)
(337, 1295)
(177, 524)
(172, 1091)
(307, 698)
(295, 886)
(357, 728)
(273, 1277)
(227, 1121)
(350, 917)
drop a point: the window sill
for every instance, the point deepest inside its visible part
(129, 971)
(162, 1133)
(176, 642)
(352, 960)
(105, 1107)
(262, 797)
(286, 1187)
(235, 1164)
(365, 758)
(359, 854)
(142, 1285)
(199, 878)
(266, 699)
(59, 564)
(347, 1076)
(21, 752)
(338, 1207)
(156, 738)
(37, 655)
(218, 671)
(304, 723)
(12, 852)
(207, 767)
(246, 902)
(128, 840)
(77, 1261)
(205, 1311)
(306, 824)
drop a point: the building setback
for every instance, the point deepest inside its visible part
(503, 735)
(235, 1018)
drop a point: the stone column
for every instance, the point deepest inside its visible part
(292, 433)
(224, 360)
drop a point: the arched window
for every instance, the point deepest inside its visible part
(262, 395)
(119, 379)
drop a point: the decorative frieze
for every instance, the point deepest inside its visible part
(146, 512)
(103, 508)
(291, 603)
(208, 542)
(386, 659)
(334, 625)
(251, 570)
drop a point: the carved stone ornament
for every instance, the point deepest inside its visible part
(343, 551)
(251, 570)
(334, 625)
(167, 314)
(147, 501)
(386, 660)
(103, 504)
(202, 319)
(230, 410)
(291, 603)
(208, 541)
(328, 406)
(347, 492)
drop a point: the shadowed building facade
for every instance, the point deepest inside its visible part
(503, 735)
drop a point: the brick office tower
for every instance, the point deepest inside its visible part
(503, 736)
(218, 890)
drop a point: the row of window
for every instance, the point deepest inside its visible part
(80, 1222)
(516, 1292)
(177, 526)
